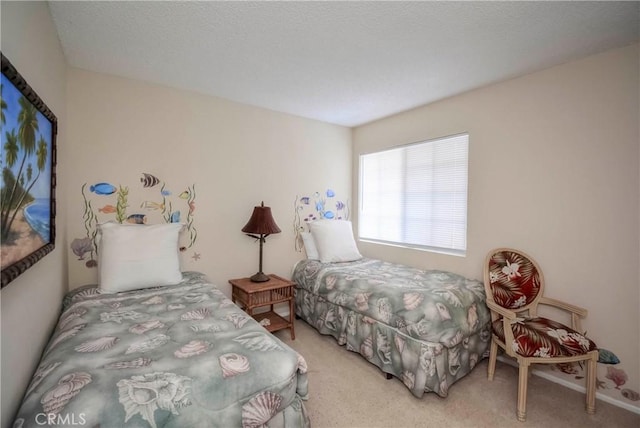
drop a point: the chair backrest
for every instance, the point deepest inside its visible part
(513, 279)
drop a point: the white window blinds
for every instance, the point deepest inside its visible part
(416, 195)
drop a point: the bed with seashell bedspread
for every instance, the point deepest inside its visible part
(427, 328)
(174, 356)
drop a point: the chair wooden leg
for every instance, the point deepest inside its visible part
(591, 384)
(493, 355)
(522, 390)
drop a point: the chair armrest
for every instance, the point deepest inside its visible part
(506, 313)
(576, 311)
(563, 305)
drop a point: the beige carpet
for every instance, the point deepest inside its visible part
(347, 391)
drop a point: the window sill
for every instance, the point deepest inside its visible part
(445, 251)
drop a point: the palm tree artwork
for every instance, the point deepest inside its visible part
(25, 192)
(3, 107)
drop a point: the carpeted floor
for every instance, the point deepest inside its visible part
(347, 391)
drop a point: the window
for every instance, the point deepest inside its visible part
(416, 195)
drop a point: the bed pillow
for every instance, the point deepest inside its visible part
(310, 246)
(334, 241)
(134, 256)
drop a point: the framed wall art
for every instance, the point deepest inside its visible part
(27, 188)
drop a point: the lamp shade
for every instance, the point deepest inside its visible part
(261, 222)
(260, 225)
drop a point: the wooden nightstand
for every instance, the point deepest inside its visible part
(252, 295)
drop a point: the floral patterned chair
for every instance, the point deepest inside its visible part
(514, 285)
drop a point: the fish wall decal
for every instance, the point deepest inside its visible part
(318, 206)
(107, 209)
(137, 219)
(163, 206)
(150, 205)
(149, 180)
(103, 189)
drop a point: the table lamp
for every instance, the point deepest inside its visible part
(260, 225)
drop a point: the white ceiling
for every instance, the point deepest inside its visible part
(346, 63)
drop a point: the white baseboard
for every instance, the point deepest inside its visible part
(545, 375)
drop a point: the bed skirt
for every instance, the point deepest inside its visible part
(421, 365)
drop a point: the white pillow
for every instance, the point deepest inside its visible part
(334, 241)
(310, 246)
(134, 256)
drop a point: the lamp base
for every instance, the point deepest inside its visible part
(260, 277)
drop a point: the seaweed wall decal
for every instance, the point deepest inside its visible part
(121, 205)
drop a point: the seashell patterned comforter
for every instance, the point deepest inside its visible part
(427, 328)
(175, 356)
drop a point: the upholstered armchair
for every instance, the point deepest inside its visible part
(514, 285)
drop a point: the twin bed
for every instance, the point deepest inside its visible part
(175, 356)
(427, 328)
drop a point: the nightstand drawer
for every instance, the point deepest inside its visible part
(266, 297)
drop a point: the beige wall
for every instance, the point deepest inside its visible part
(31, 303)
(236, 155)
(553, 171)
